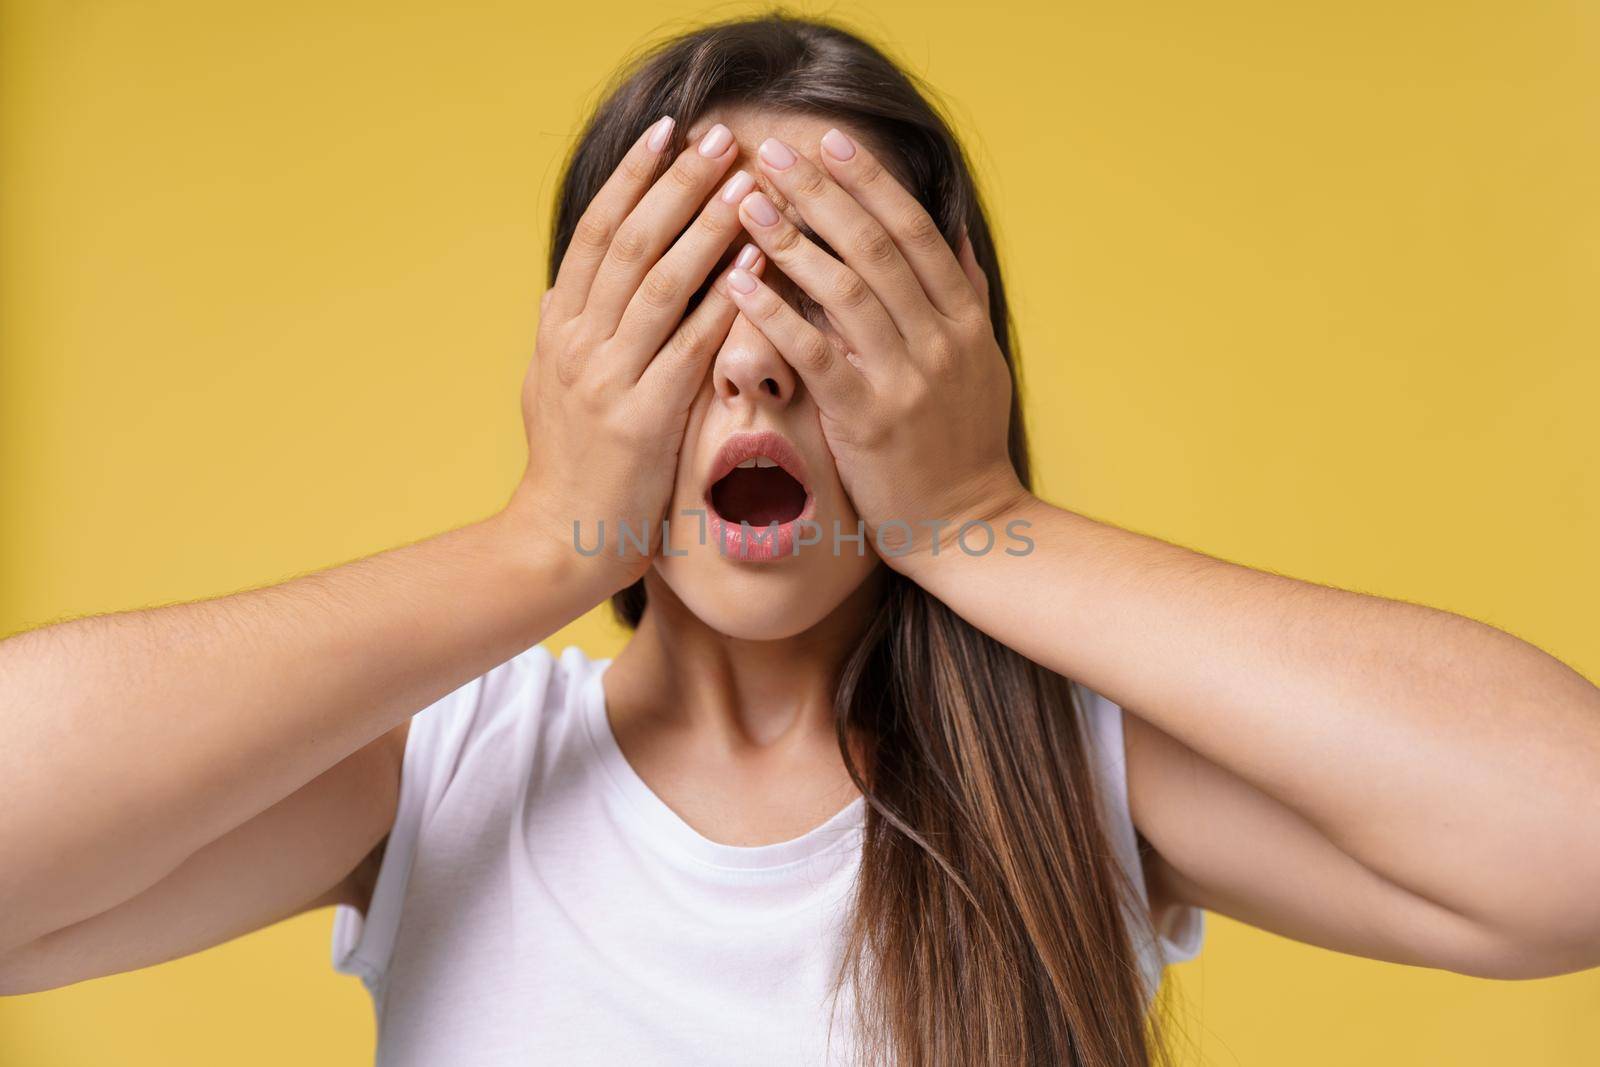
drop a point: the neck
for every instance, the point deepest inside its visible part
(742, 693)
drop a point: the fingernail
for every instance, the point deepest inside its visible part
(761, 209)
(747, 257)
(716, 140)
(838, 145)
(737, 186)
(777, 154)
(659, 134)
(743, 281)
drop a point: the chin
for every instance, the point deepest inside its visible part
(770, 601)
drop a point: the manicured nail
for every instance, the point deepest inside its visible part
(743, 281)
(761, 209)
(777, 154)
(747, 257)
(838, 145)
(659, 133)
(738, 185)
(716, 141)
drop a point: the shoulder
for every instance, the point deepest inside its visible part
(469, 755)
(522, 692)
(464, 765)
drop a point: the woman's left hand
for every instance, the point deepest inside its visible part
(914, 394)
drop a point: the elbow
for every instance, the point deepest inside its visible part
(1549, 951)
(46, 962)
(20, 972)
(1538, 916)
(1531, 962)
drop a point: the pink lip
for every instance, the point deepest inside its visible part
(762, 545)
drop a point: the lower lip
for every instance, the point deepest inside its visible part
(756, 544)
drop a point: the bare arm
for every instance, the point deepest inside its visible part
(318, 846)
(158, 759)
(1455, 767)
(1450, 770)
(135, 739)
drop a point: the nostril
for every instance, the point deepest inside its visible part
(770, 386)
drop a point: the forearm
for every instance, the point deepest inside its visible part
(1449, 757)
(134, 739)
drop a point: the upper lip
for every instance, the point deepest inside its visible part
(742, 446)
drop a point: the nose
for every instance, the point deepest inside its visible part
(750, 370)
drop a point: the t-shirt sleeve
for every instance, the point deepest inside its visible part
(441, 739)
(1180, 936)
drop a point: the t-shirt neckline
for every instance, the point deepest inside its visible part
(839, 830)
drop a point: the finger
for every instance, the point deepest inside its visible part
(659, 217)
(851, 304)
(665, 291)
(831, 375)
(591, 237)
(854, 235)
(969, 265)
(914, 231)
(680, 366)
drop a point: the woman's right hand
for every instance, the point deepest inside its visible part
(617, 365)
(187, 772)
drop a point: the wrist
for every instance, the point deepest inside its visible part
(541, 544)
(995, 519)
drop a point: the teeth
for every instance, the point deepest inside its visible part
(758, 461)
(747, 464)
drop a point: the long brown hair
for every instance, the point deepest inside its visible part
(986, 926)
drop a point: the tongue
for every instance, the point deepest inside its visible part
(758, 495)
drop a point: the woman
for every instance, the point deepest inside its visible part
(837, 798)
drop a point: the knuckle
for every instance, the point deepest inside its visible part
(592, 232)
(869, 171)
(629, 245)
(638, 170)
(594, 393)
(683, 178)
(569, 365)
(710, 227)
(849, 290)
(920, 229)
(940, 353)
(659, 291)
(786, 241)
(692, 336)
(873, 244)
(809, 183)
(815, 352)
(771, 309)
(974, 324)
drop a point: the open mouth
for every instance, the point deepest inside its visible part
(758, 492)
(758, 482)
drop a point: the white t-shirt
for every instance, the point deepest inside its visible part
(537, 903)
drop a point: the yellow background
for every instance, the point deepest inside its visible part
(1307, 286)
